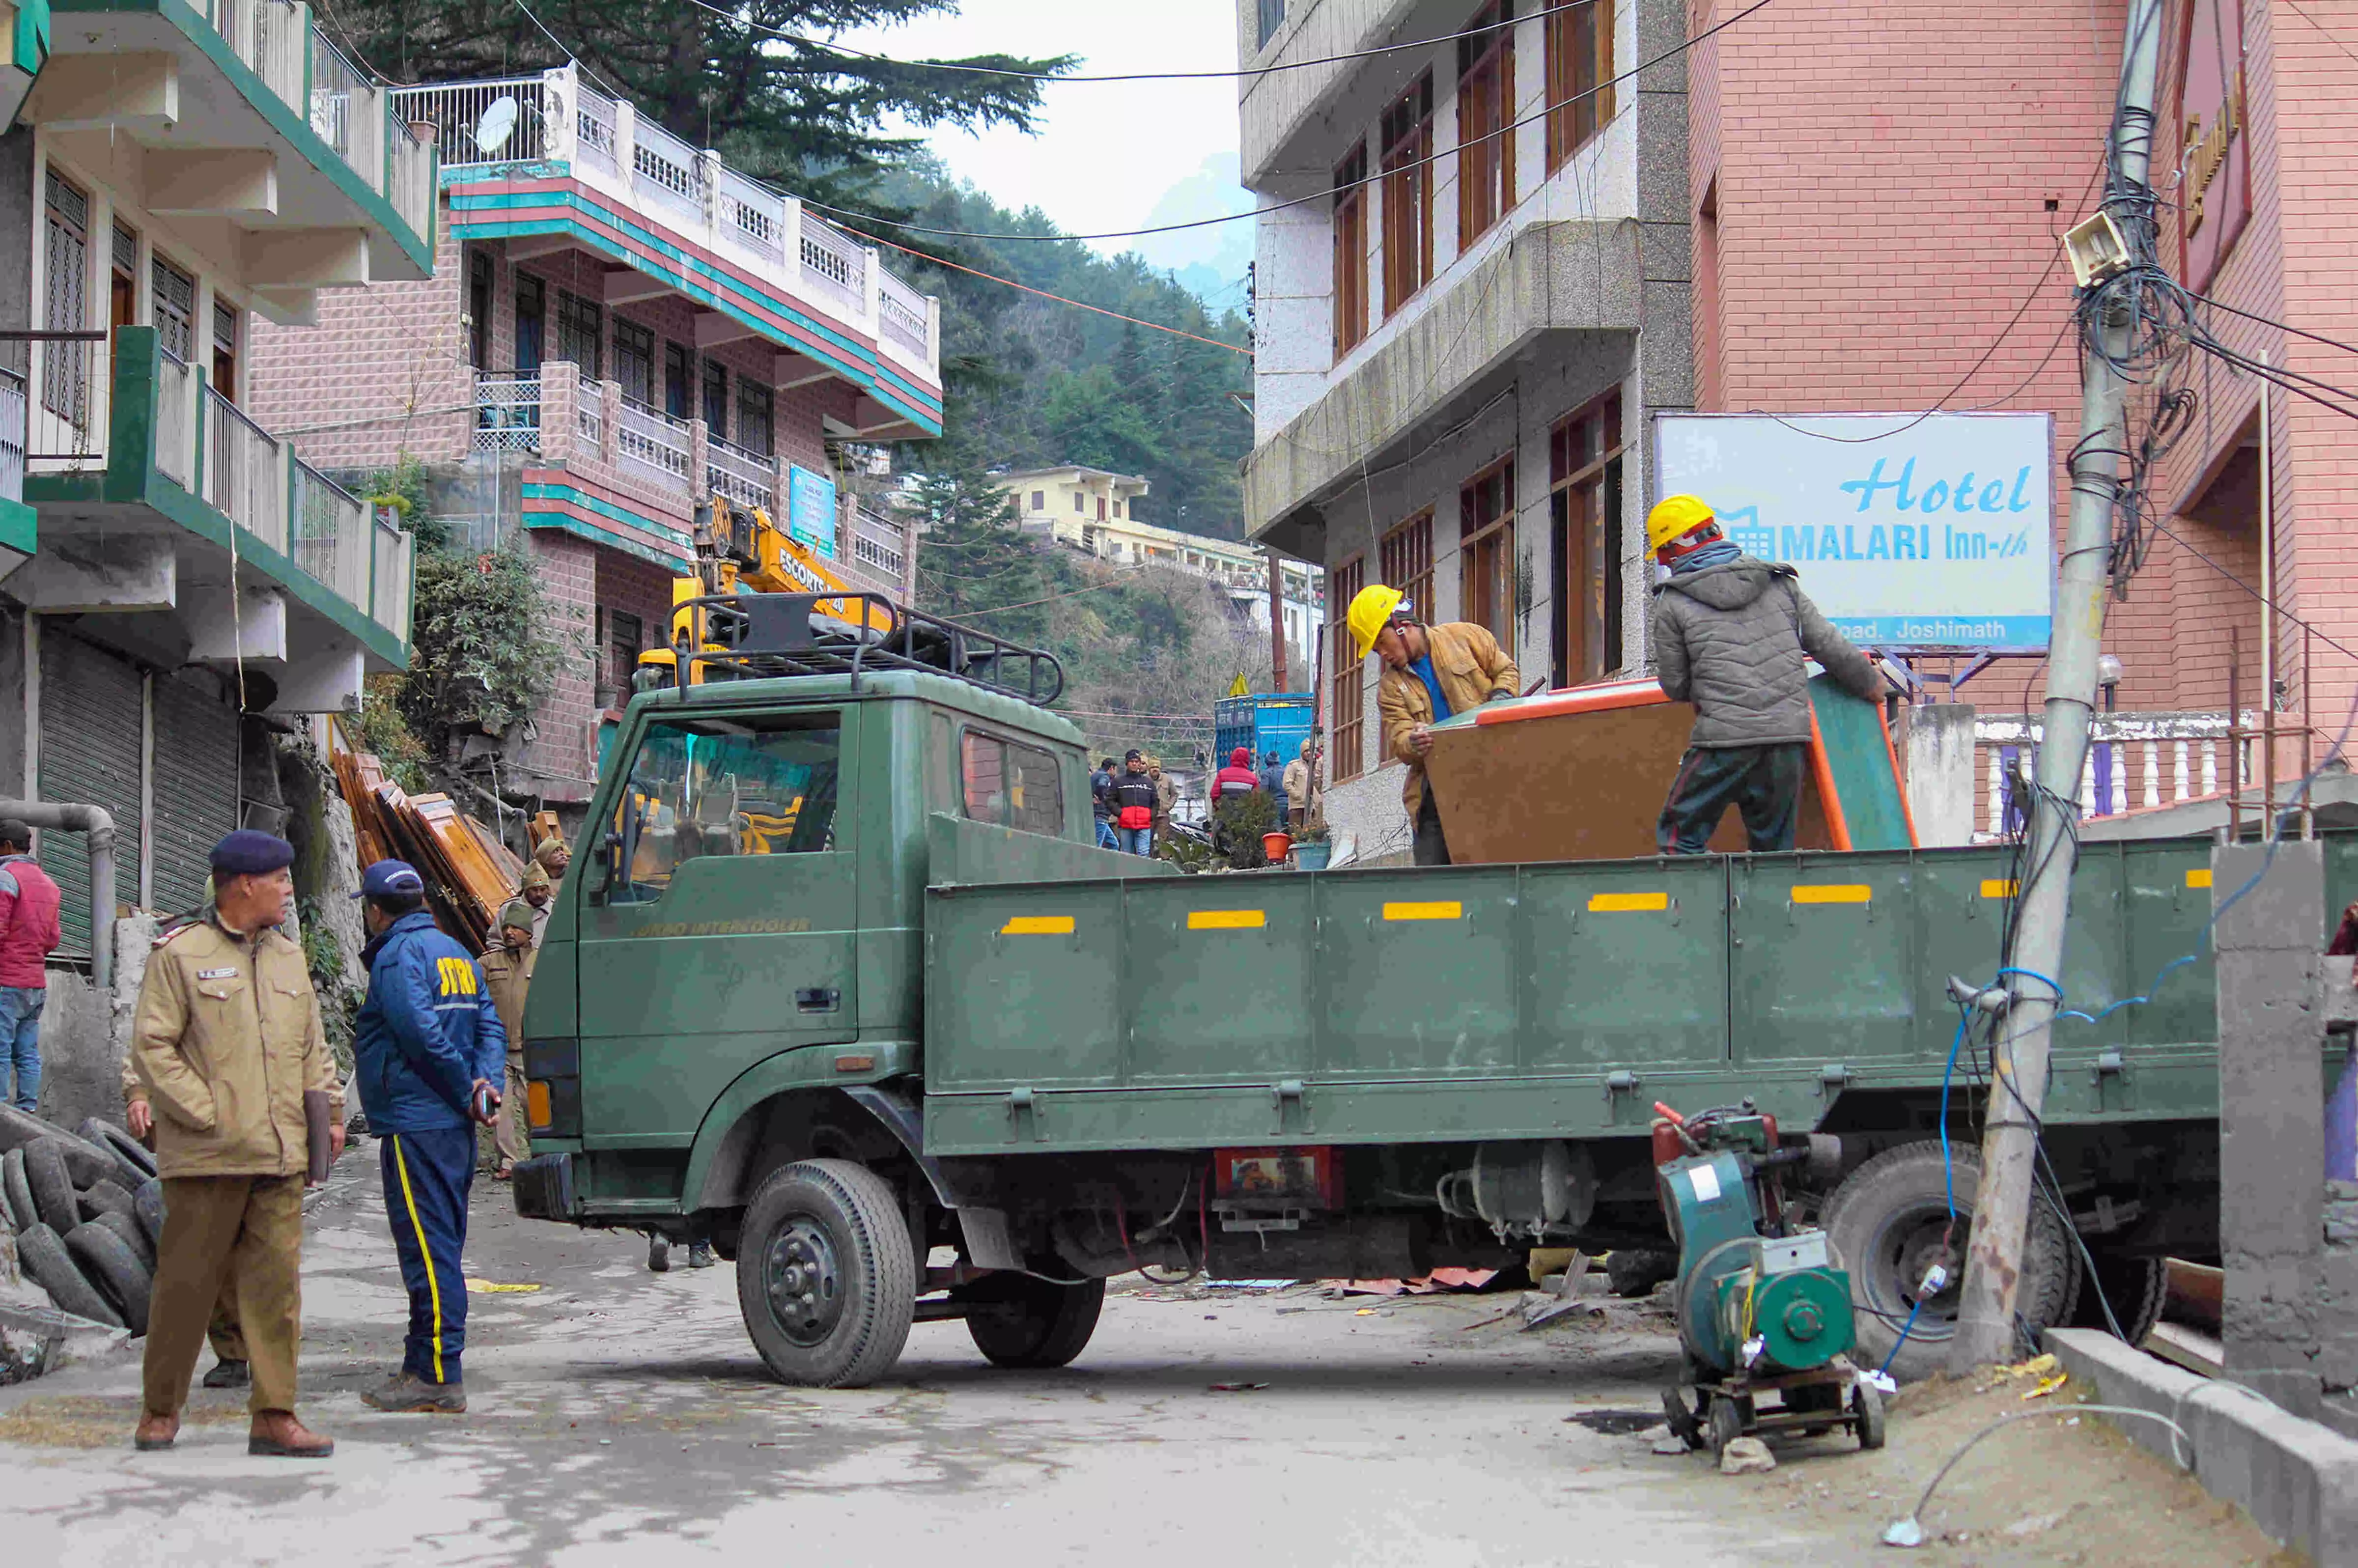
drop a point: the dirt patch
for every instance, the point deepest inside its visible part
(2063, 1489)
(62, 1420)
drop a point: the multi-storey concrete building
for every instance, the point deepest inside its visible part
(1472, 290)
(178, 182)
(620, 326)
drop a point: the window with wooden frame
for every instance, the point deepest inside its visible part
(1404, 556)
(635, 362)
(679, 382)
(716, 399)
(1407, 135)
(172, 307)
(1347, 704)
(1351, 250)
(479, 309)
(1486, 540)
(531, 323)
(1585, 522)
(579, 337)
(1579, 76)
(756, 419)
(1485, 113)
(226, 345)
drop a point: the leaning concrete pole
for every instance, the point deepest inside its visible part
(2010, 1141)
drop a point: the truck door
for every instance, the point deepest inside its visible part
(717, 922)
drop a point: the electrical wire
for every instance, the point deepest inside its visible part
(1554, 108)
(1915, 1515)
(1061, 299)
(1059, 78)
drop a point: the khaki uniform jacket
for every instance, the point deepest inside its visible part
(1472, 669)
(1301, 785)
(508, 976)
(226, 1040)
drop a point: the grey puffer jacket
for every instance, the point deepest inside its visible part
(1730, 638)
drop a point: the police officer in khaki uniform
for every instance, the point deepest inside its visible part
(507, 975)
(540, 893)
(226, 1043)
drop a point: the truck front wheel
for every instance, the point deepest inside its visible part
(1021, 1320)
(826, 1274)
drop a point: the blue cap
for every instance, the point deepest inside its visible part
(390, 878)
(246, 853)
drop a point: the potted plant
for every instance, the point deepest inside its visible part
(1311, 850)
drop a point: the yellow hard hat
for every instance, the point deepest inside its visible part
(1371, 606)
(1674, 518)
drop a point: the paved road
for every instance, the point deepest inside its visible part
(621, 1416)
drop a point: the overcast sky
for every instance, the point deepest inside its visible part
(1107, 155)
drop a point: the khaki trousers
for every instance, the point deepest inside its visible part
(507, 1132)
(245, 1230)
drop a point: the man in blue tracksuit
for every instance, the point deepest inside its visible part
(429, 1056)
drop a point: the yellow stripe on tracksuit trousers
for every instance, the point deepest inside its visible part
(429, 1176)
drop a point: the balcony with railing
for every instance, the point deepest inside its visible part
(115, 429)
(344, 162)
(750, 479)
(773, 255)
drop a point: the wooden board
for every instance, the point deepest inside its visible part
(1579, 774)
(469, 873)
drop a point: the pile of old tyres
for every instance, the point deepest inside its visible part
(86, 1210)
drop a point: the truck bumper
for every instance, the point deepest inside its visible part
(544, 1187)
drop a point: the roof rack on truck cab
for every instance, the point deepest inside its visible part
(749, 636)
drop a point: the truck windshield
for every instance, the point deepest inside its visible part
(735, 786)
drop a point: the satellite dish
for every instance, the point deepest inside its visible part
(498, 124)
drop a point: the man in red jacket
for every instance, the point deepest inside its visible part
(28, 933)
(1237, 778)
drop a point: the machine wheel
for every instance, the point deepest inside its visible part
(1727, 1422)
(1886, 1223)
(1683, 1425)
(1018, 1320)
(2133, 1286)
(1867, 1406)
(826, 1277)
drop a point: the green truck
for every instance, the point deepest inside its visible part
(839, 984)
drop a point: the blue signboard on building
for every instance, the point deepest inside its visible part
(810, 510)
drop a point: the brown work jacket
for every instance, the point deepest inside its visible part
(226, 1039)
(1472, 669)
(508, 976)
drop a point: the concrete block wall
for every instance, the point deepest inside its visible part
(559, 757)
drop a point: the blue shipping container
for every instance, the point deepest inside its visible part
(1269, 721)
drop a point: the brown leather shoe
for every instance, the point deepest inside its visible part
(277, 1434)
(155, 1432)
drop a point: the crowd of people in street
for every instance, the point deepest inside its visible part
(1130, 801)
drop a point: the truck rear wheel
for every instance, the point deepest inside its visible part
(2133, 1287)
(1886, 1223)
(1020, 1320)
(826, 1277)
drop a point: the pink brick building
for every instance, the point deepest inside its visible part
(618, 327)
(1877, 192)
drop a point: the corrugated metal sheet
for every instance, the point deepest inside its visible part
(196, 785)
(89, 752)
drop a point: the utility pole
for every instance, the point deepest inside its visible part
(1276, 620)
(2010, 1141)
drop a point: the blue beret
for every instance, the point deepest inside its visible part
(246, 853)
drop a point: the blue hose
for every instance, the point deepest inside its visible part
(1948, 1173)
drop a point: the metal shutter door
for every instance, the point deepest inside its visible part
(89, 754)
(196, 786)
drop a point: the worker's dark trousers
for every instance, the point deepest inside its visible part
(427, 1177)
(1431, 848)
(1763, 783)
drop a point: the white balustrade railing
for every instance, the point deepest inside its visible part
(12, 435)
(666, 171)
(69, 391)
(833, 261)
(879, 544)
(901, 314)
(589, 410)
(243, 477)
(389, 575)
(175, 421)
(347, 110)
(654, 443)
(507, 414)
(472, 129)
(411, 187)
(753, 218)
(333, 534)
(2135, 762)
(741, 476)
(595, 132)
(269, 35)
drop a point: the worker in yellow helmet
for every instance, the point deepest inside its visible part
(1729, 635)
(1429, 672)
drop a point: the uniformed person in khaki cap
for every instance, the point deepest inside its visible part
(540, 893)
(507, 975)
(226, 1043)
